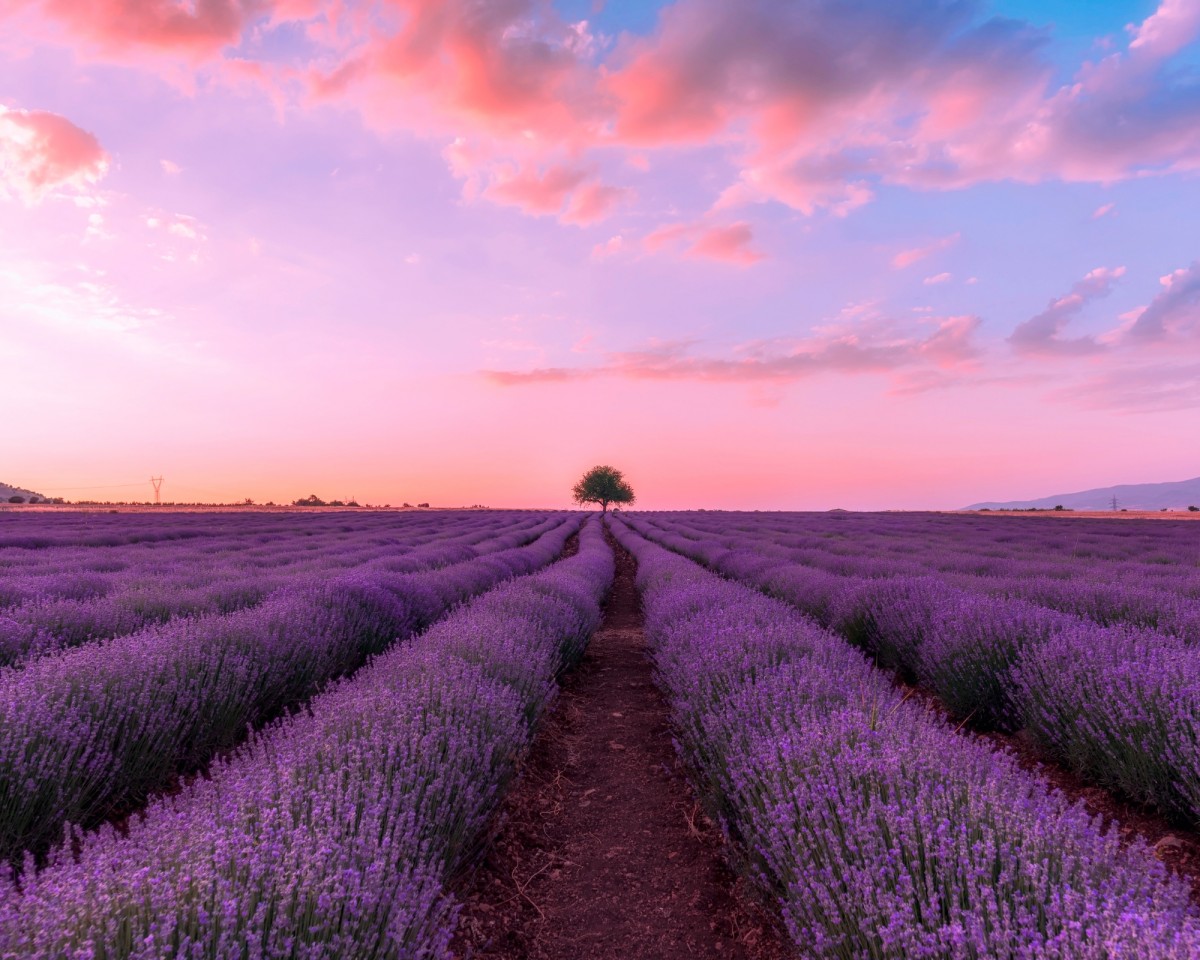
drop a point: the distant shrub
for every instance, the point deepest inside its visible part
(1194, 509)
(1059, 506)
(422, 505)
(312, 500)
(16, 499)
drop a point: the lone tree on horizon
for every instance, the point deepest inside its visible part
(603, 485)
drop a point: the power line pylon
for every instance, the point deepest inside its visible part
(156, 482)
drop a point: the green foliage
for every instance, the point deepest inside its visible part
(603, 485)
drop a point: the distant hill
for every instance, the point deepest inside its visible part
(6, 491)
(1132, 496)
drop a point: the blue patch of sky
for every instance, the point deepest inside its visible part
(612, 17)
(1029, 244)
(1078, 31)
(1074, 25)
(286, 43)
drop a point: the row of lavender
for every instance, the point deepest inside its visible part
(37, 530)
(881, 832)
(214, 534)
(1140, 572)
(332, 833)
(1118, 704)
(61, 597)
(985, 545)
(90, 732)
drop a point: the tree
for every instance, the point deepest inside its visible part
(603, 485)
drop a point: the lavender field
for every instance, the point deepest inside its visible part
(881, 829)
(289, 735)
(384, 777)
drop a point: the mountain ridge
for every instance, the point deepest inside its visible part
(1177, 495)
(7, 491)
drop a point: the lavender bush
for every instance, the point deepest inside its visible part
(881, 832)
(54, 599)
(331, 833)
(1122, 707)
(1119, 705)
(94, 730)
(968, 656)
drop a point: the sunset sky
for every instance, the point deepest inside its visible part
(755, 253)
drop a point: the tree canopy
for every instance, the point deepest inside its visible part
(603, 485)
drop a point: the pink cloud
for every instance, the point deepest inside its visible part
(609, 248)
(40, 151)
(1140, 388)
(1175, 311)
(732, 244)
(514, 70)
(936, 279)
(572, 194)
(807, 187)
(198, 29)
(814, 103)
(822, 99)
(1103, 210)
(1168, 30)
(952, 343)
(593, 202)
(667, 235)
(1042, 335)
(539, 193)
(857, 343)
(178, 225)
(906, 258)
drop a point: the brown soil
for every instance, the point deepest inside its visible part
(602, 850)
(1176, 845)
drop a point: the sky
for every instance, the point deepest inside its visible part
(758, 254)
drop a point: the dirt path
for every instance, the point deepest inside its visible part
(603, 853)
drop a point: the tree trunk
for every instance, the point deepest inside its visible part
(604, 506)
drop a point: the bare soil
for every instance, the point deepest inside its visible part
(601, 851)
